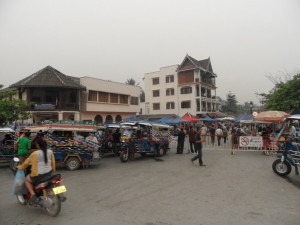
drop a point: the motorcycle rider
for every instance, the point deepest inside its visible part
(42, 165)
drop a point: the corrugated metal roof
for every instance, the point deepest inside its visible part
(48, 77)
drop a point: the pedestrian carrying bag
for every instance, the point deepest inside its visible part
(19, 187)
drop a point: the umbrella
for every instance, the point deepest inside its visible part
(189, 117)
(271, 116)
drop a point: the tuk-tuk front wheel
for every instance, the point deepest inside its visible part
(72, 163)
(124, 156)
(281, 168)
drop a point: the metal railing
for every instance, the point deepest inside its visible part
(231, 142)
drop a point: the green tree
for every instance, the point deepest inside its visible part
(142, 96)
(230, 107)
(130, 81)
(285, 96)
(12, 109)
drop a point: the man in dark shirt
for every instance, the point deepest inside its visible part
(212, 131)
(117, 136)
(192, 140)
(198, 146)
(180, 142)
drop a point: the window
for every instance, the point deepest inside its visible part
(170, 79)
(155, 93)
(170, 105)
(186, 90)
(92, 96)
(155, 80)
(186, 104)
(102, 97)
(114, 98)
(156, 106)
(124, 99)
(169, 91)
(134, 100)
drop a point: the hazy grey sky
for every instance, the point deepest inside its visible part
(120, 39)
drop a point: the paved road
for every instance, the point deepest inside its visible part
(239, 189)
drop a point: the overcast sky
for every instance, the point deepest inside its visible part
(120, 39)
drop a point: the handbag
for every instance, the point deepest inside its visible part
(19, 187)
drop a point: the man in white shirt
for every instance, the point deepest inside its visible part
(219, 134)
(91, 137)
(292, 130)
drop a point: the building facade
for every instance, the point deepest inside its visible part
(56, 96)
(178, 89)
(107, 101)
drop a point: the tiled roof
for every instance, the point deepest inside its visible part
(48, 77)
(204, 64)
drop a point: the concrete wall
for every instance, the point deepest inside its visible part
(162, 86)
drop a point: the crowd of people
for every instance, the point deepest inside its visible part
(217, 133)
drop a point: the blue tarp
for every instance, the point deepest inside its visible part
(244, 117)
(170, 121)
(208, 119)
(132, 119)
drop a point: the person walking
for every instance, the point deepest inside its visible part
(198, 146)
(225, 134)
(180, 141)
(212, 131)
(219, 134)
(192, 133)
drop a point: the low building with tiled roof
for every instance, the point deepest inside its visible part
(48, 77)
(56, 96)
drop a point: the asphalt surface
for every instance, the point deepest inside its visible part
(238, 189)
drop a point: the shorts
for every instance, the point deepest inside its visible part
(37, 179)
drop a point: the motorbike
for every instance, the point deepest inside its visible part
(49, 193)
(288, 157)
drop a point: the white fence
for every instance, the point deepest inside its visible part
(235, 143)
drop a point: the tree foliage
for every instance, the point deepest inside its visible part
(230, 107)
(12, 109)
(142, 96)
(285, 96)
(130, 81)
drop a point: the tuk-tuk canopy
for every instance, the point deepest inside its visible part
(6, 130)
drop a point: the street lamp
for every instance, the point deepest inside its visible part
(251, 106)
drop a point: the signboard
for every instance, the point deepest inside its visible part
(251, 141)
(44, 106)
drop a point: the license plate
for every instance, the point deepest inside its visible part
(59, 190)
(96, 155)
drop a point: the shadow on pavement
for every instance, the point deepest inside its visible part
(293, 180)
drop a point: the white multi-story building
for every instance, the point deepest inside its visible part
(179, 89)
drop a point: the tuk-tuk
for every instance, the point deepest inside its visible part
(106, 142)
(7, 138)
(68, 143)
(144, 138)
